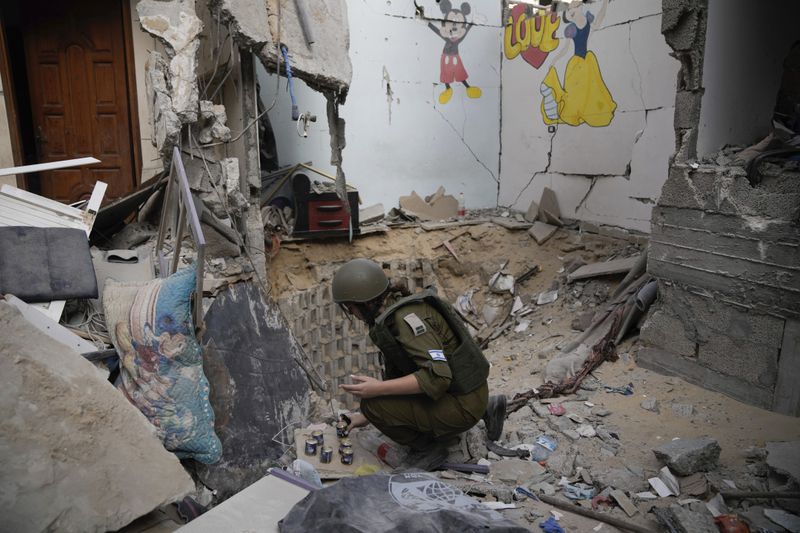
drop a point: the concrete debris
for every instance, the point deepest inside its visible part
(784, 459)
(166, 123)
(585, 430)
(77, 456)
(694, 485)
(682, 409)
(548, 208)
(670, 481)
(547, 297)
(660, 487)
(716, 506)
(784, 519)
(624, 502)
(440, 206)
(510, 224)
(175, 23)
(687, 521)
(687, 456)
(650, 404)
(516, 470)
(532, 213)
(372, 213)
(541, 232)
(616, 266)
(211, 125)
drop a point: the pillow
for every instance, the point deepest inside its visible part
(161, 363)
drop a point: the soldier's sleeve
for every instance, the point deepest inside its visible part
(426, 350)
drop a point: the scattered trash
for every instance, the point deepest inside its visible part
(522, 326)
(660, 487)
(731, 524)
(599, 500)
(547, 297)
(625, 391)
(528, 494)
(579, 491)
(646, 495)
(547, 442)
(306, 470)
(498, 506)
(585, 430)
(556, 409)
(551, 526)
(670, 481)
(501, 281)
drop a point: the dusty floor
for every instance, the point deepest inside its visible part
(519, 358)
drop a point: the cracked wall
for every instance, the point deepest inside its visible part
(608, 174)
(399, 136)
(725, 249)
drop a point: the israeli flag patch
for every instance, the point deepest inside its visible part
(437, 355)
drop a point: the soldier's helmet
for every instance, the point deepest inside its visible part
(359, 280)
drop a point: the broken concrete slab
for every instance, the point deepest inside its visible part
(624, 502)
(77, 456)
(510, 223)
(687, 521)
(532, 213)
(548, 207)
(615, 266)
(259, 507)
(516, 470)
(650, 404)
(442, 207)
(789, 521)
(541, 232)
(687, 456)
(784, 459)
(370, 214)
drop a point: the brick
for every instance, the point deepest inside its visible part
(666, 362)
(757, 364)
(666, 331)
(703, 315)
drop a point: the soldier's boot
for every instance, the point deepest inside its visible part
(429, 459)
(495, 416)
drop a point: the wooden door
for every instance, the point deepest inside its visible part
(79, 94)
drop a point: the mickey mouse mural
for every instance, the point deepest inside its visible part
(453, 30)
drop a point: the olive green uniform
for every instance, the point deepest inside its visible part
(453, 382)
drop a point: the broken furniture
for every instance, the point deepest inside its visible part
(44, 264)
(22, 208)
(178, 206)
(323, 214)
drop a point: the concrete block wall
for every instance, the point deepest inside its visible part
(727, 256)
(338, 346)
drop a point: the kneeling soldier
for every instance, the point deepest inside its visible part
(435, 374)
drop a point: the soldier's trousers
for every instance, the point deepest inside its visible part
(418, 421)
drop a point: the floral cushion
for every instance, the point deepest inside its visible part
(161, 363)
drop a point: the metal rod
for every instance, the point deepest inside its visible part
(572, 508)
(741, 495)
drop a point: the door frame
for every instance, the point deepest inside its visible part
(12, 111)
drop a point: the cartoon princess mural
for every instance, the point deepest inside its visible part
(583, 97)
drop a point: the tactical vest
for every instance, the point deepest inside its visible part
(467, 362)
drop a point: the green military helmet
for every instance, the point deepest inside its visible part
(359, 280)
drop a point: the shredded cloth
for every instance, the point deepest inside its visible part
(551, 526)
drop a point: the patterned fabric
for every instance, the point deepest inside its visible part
(161, 363)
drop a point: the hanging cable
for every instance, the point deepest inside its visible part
(295, 109)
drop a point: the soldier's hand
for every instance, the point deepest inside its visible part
(357, 420)
(364, 387)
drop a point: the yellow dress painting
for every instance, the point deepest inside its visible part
(583, 98)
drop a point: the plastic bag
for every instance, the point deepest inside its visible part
(395, 503)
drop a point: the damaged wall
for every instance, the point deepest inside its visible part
(399, 135)
(741, 75)
(604, 144)
(723, 247)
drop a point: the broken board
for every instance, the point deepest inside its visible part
(257, 387)
(259, 507)
(541, 232)
(335, 469)
(616, 266)
(510, 223)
